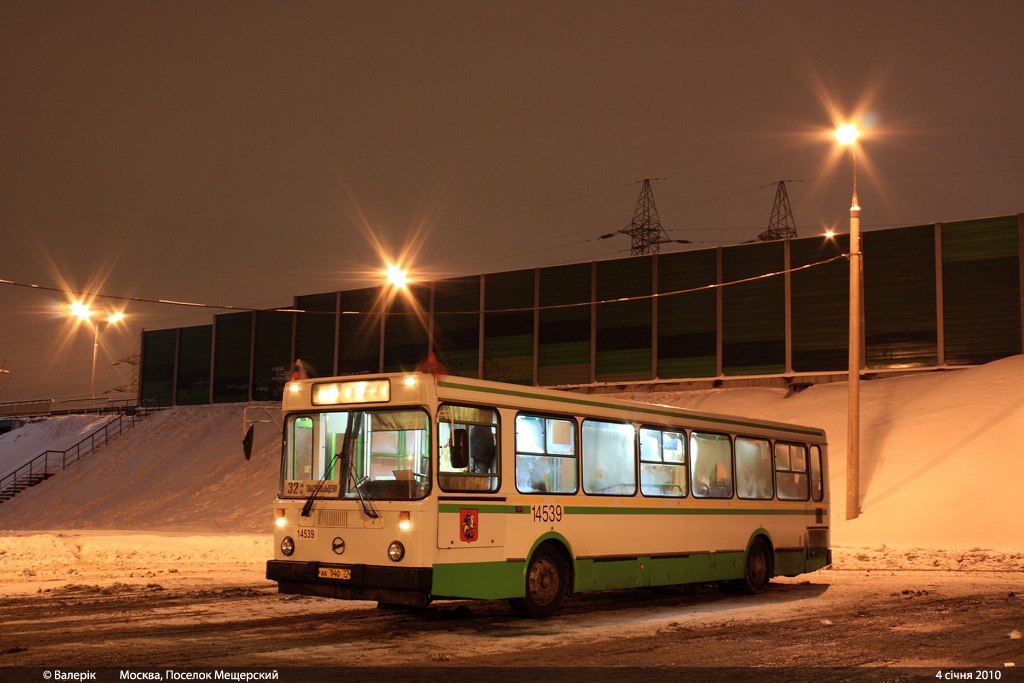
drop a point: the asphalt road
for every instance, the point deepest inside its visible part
(935, 621)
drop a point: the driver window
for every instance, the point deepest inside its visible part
(469, 457)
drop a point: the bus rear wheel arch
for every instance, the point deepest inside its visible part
(758, 570)
(548, 581)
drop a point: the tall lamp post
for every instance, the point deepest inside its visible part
(847, 135)
(82, 311)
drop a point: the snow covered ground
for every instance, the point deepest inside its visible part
(42, 434)
(941, 474)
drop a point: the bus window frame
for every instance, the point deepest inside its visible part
(771, 467)
(315, 412)
(731, 460)
(820, 473)
(685, 464)
(806, 472)
(636, 458)
(571, 419)
(497, 425)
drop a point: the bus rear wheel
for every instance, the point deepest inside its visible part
(758, 571)
(546, 577)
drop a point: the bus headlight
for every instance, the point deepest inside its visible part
(396, 551)
(287, 546)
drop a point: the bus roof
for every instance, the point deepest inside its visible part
(451, 387)
(419, 388)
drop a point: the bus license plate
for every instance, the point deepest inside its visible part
(335, 573)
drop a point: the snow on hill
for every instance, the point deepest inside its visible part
(42, 434)
(941, 465)
(940, 453)
(180, 470)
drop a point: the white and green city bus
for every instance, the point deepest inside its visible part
(406, 488)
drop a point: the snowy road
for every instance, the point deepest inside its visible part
(831, 618)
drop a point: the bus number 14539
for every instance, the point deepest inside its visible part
(546, 513)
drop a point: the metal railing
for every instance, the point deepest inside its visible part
(33, 408)
(48, 463)
(84, 406)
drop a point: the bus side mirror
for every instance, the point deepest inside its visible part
(459, 449)
(247, 442)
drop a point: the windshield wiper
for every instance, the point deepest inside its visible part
(343, 454)
(349, 468)
(367, 507)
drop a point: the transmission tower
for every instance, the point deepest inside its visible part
(646, 230)
(781, 225)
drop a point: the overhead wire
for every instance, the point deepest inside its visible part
(415, 313)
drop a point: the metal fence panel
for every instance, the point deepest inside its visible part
(272, 361)
(900, 320)
(231, 357)
(753, 313)
(624, 328)
(315, 333)
(456, 332)
(194, 349)
(564, 334)
(508, 337)
(820, 304)
(156, 376)
(981, 290)
(359, 331)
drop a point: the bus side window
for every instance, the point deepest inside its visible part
(753, 468)
(475, 465)
(609, 458)
(817, 485)
(711, 465)
(791, 480)
(545, 455)
(662, 463)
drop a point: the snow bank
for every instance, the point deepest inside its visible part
(180, 470)
(940, 452)
(45, 434)
(34, 562)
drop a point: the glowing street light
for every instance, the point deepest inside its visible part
(397, 277)
(847, 135)
(81, 310)
(83, 313)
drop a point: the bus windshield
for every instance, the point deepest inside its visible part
(387, 458)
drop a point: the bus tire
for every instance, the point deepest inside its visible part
(758, 570)
(546, 577)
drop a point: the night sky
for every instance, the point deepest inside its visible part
(241, 153)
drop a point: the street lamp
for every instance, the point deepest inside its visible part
(83, 313)
(847, 135)
(397, 277)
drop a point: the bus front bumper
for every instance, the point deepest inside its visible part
(397, 585)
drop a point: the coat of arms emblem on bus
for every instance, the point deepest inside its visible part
(469, 525)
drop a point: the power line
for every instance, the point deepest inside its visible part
(474, 312)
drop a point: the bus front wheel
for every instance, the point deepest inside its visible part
(546, 577)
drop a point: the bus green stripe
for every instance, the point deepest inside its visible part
(677, 414)
(623, 510)
(493, 580)
(681, 511)
(494, 509)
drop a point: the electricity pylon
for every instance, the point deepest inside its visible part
(646, 230)
(781, 225)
